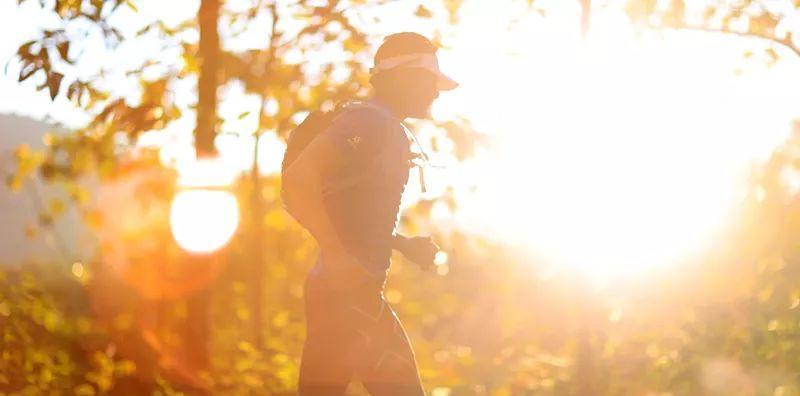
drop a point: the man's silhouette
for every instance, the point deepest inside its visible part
(345, 187)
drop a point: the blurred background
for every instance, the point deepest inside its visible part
(615, 192)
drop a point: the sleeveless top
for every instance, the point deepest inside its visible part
(362, 199)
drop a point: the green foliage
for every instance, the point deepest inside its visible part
(49, 347)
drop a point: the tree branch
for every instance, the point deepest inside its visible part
(785, 42)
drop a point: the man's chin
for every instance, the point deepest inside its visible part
(421, 113)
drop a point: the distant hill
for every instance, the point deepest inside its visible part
(69, 240)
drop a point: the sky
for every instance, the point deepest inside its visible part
(628, 147)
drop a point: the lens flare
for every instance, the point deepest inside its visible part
(613, 156)
(203, 221)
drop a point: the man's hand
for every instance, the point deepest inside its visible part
(420, 250)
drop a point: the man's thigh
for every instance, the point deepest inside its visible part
(329, 353)
(355, 334)
(389, 366)
(325, 369)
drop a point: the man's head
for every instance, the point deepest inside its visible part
(407, 76)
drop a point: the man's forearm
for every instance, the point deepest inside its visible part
(398, 241)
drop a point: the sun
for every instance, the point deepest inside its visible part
(204, 214)
(203, 221)
(615, 156)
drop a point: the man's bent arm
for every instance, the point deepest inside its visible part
(398, 241)
(303, 188)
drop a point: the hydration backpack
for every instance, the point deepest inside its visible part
(316, 123)
(300, 137)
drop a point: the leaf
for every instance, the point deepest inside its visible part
(22, 152)
(93, 218)
(675, 15)
(24, 49)
(190, 60)
(62, 8)
(78, 194)
(84, 390)
(74, 92)
(63, 50)
(27, 160)
(281, 319)
(173, 112)
(763, 24)
(45, 219)
(423, 12)
(125, 368)
(54, 83)
(709, 13)
(145, 29)
(773, 56)
(640, 10)
(95, 95)
(453, 6)
(354, 45)
(57, 207)
(153, 92)
(27, 70)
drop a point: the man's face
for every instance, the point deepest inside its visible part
(417, 88)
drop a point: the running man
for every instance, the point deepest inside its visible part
(347, 184)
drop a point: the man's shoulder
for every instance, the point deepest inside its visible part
(365, 115)
(363, 128)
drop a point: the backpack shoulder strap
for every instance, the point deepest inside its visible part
(353, 179)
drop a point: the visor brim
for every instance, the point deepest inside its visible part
(444, 82)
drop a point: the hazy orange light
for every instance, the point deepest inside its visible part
(203, 221)
(617, 156)
(203, 218)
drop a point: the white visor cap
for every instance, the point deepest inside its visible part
(424, 61)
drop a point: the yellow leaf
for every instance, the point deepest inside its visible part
(352, 45)
(57, 207)
(772, 325)
(5, 308)
(245, 346)
(14, 183)
(132, 6)
(281, 319)
(84, 390)
(125, 367)
(423, 12)
(93, 218)
(47, 139)
(78, 193)
(243, 313)
(190, 62)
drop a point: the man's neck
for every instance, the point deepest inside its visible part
(391, 105)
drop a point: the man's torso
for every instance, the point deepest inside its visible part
(363, 197)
